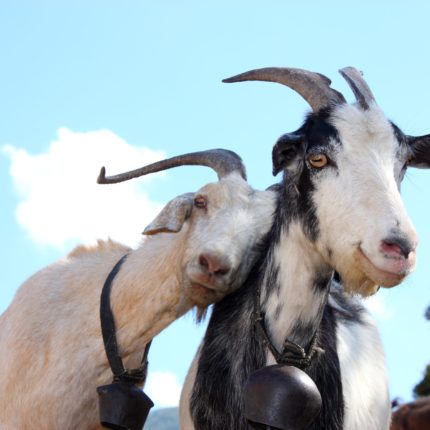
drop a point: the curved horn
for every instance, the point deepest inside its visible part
(313, 87)
(359, 86)
(220, 160)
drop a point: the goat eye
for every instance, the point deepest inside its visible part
(200, 202)
(318, 160)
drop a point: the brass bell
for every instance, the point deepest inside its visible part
(281, 397)
(123, 406)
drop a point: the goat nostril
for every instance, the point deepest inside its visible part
(214, 265)
(391, 248)
(398, 247)
(203, 262)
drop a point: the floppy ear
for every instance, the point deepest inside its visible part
(172, 216)
(288, 153)
(420, 151)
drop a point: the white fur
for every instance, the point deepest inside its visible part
(296, 276)
(361, 196)
(52, 354)
(364, 377)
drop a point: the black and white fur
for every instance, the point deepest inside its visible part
(356, 396)
(323, 218)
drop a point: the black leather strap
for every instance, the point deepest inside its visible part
(109, 335)
(291, 354)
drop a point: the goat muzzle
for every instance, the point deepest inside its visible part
(281, 397)
(123, 406)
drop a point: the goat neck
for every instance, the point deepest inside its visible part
(137, 319)
(296, 282)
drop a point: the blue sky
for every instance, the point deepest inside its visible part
(119, 83)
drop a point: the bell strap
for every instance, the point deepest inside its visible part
(109, 335)
(292, 354)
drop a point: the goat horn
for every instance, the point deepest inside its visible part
(313, 87)
(221, 161)
(359, 86)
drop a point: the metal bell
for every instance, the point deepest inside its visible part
(123, 406)
(281, 397)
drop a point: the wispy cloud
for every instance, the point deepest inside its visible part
(60, 202)
(163, 388)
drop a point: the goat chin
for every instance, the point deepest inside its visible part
(355, 281)
(366, 279)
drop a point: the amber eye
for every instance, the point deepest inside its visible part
(318, 160)
(200, 202)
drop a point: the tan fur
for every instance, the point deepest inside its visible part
(101, 246)
(52, 353)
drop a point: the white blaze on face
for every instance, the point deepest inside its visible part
(358, 202)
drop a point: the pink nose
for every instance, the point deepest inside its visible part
(214, 264)
(397, 247)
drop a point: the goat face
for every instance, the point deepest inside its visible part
(223, 223)
(346, 164)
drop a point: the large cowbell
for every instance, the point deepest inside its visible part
(123, 406)
(281, 397)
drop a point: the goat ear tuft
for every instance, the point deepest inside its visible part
(172, 216)
(420, 147)
(287, 151)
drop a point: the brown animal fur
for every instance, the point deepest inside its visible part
(412, 416)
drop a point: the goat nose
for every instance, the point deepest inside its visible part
(214, 264)
(397, 246)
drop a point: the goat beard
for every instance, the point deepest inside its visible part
(356, 282)
(365, 288)
(200, 313)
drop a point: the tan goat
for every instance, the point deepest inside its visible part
(52, 353)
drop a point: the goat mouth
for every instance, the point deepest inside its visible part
(203, 294)
(201, 288)
(381, 277)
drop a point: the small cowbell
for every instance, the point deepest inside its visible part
(123, 406)
(281, 397)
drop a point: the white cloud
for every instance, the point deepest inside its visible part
(163, 388)
(61, 203)
(378, 307)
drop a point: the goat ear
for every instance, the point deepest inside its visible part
(172, 216)
(420, 147)
(287, 152)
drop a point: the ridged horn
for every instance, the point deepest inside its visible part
(313, 87)
(222, 161)
(359, 86)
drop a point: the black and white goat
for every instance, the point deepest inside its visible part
(338, 209)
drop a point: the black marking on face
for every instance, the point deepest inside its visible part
(319, 136)
(400, 136)
(306, 207)
(403, 153)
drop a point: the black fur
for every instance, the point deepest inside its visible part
(317, 135)
(231, 351)
(325, 371)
